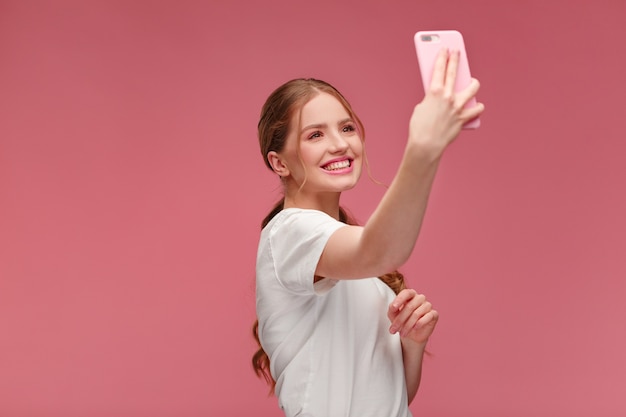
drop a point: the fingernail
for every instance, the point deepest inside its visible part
(392, 330)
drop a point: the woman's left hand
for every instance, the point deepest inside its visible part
(412, 316)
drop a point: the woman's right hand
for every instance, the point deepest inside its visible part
(438, 119)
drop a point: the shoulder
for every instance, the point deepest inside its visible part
(297, 220)
(290, 247)
(294, 234)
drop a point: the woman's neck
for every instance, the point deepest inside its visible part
(327, 203)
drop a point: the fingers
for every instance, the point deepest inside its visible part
(429, 318)
(469, 92)
(444, 79)
(439, 71)
(438, 119)
(410, 310)
(472, 112)
(401, 299)
(465, 96)
(443, 87)
(444, 72)
(417, 318)
(451, 71)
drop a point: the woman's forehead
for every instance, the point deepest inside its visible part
(323, 108)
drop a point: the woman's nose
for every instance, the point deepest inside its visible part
(338, 143)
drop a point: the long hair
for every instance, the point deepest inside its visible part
(273, 129)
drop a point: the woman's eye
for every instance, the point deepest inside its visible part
(348, 128)
(315, 135)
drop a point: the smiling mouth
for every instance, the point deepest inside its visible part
(335, 166)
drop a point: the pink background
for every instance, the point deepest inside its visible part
(131, 192)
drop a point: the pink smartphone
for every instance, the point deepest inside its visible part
(428, 44)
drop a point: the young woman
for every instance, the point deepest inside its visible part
(336, 340)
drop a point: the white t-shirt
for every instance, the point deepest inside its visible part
(329, 345)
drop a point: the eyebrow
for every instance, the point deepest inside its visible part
(324, 125)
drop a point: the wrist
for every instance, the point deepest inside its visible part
(410, 344)
(424, 152)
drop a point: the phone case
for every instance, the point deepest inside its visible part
(428, 44)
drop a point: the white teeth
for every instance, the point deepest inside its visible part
(337, 165)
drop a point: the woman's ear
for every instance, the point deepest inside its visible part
(277, 164)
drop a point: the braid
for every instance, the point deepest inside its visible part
(260, 360)
(278, 207)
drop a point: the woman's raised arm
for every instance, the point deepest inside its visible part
(389, 236)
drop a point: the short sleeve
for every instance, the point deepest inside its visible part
(296, 242)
